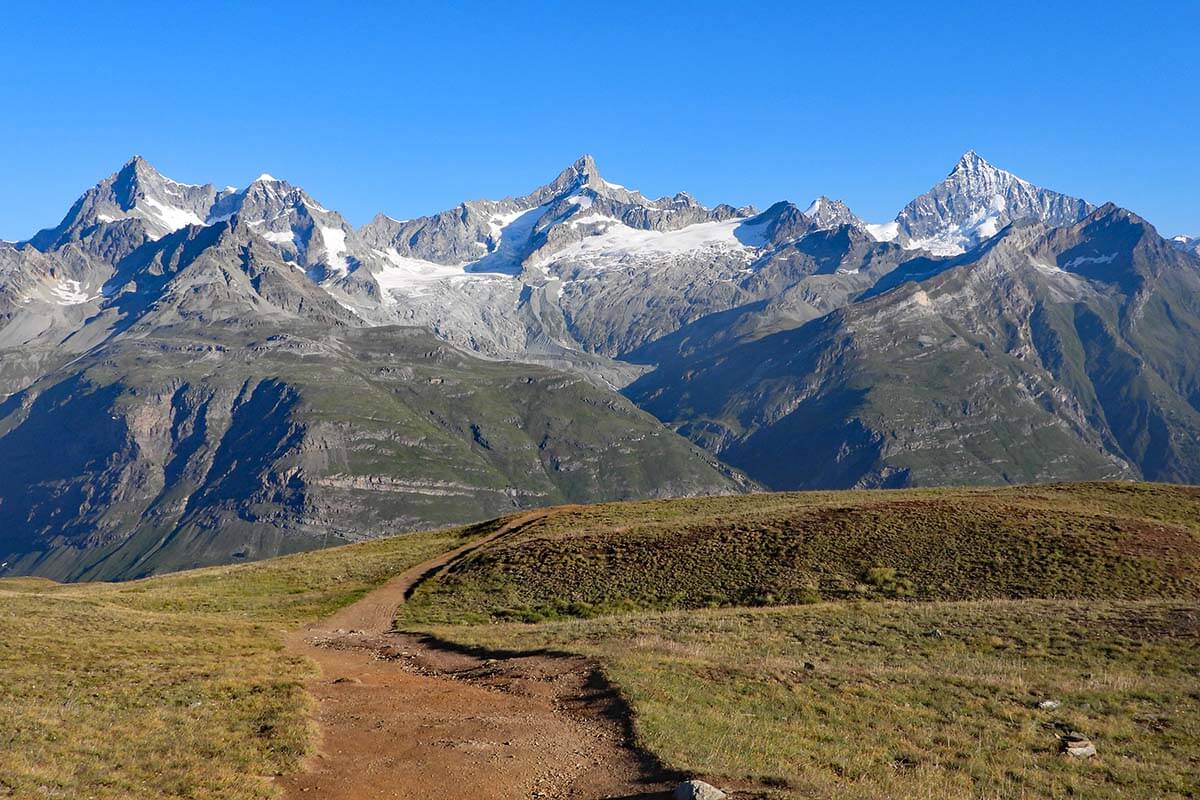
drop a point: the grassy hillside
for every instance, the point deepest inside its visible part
(1104, 541)
(173, 686)
(874, 701)
(177, 686)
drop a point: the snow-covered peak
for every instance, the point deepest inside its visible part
(974, 202)
(266, 178)
(972, 162)
(827, 213)
(137, 191)
(1188, 244)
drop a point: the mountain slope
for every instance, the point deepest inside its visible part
(187, 446)
(1045, 355)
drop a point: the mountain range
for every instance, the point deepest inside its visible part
(192, 375)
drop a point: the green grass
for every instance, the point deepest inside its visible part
(1110, 541)
(932, 621)
(173, 686)
(886, 700)
(935, 620)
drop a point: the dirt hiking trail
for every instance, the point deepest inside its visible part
(404, 716)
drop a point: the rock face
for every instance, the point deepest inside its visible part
(974, 202)
(697, 790)
(136, 192)
(827, 214)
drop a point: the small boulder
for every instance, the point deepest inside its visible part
(697, 790)
(1078, 745)
(1048, 705)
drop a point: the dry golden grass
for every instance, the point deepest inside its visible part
(173, 686)
(177, 686)
(888, 700)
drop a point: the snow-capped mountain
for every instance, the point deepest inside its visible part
(1189, 244)
(136, 192)
(973, 203)
(270, 371)
(578, 272)
(504, 235)
(827, 213)
(305, 233)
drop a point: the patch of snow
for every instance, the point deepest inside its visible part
(884, 232)
(512, 232)
(498, 222)
(813, 209)
(174, 182)
(279, 237)
(69, 293)
(621, 239)
(1081, 260)
(265, 178)
(591, 219)
(335, 248)
(412, 276)
(988, 228)
(170, 217)
(937, 245)
(106, 218)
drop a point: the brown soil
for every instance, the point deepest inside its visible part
(405, 716)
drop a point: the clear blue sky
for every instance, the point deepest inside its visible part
(410, 108)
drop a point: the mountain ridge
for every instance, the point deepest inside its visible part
(994, 332)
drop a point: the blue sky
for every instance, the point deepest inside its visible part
(410, 108)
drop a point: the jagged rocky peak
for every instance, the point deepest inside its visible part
(304, 232)
(974, 202)
(137, 191)
(503, 235)
(1188, 244)
(828, 213)
(782, 222)
(583, 172)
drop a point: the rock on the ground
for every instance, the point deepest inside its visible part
(1078, 745)
(1048, 705)
(697, 790)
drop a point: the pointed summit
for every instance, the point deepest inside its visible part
(580, 174)
(137, 162)
(828, 213)
(585, 166)
(970, 161)
(139, 192)
(974, 202)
